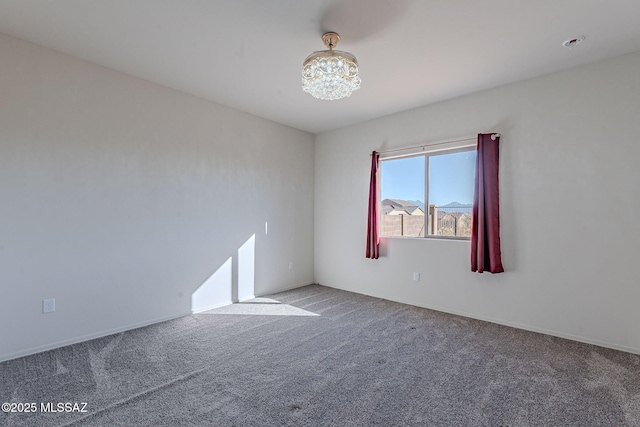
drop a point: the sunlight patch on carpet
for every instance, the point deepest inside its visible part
(261, 307)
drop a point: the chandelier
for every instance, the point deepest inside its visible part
(330, 74)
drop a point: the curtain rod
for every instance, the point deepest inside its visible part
(474, 138)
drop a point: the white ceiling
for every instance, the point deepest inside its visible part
(247, 54)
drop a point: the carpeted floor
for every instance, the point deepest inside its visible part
(317, 356)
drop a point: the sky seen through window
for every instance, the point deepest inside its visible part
(451, 178)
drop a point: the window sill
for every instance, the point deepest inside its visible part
(449, 238)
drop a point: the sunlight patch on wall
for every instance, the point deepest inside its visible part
(246, 269)
(215, 291)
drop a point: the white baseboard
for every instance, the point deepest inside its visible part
(545, 331)
(76, 340)
(516, 325)
(286, 288)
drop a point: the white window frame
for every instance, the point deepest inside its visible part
(425, 151)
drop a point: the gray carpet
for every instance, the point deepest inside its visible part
(316, 356)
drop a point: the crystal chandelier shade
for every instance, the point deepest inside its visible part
(330, 74)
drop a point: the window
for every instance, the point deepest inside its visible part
(428, 194)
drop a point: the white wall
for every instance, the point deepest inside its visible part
(120, 198)
(569, 207)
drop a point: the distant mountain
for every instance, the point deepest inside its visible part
(456, 205)
(448, 206)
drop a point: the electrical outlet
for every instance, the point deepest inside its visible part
(416, 276)
(48, 305)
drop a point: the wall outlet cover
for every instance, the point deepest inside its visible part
(48, 305)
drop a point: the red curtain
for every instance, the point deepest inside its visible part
(373, 242)
(485, 231)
